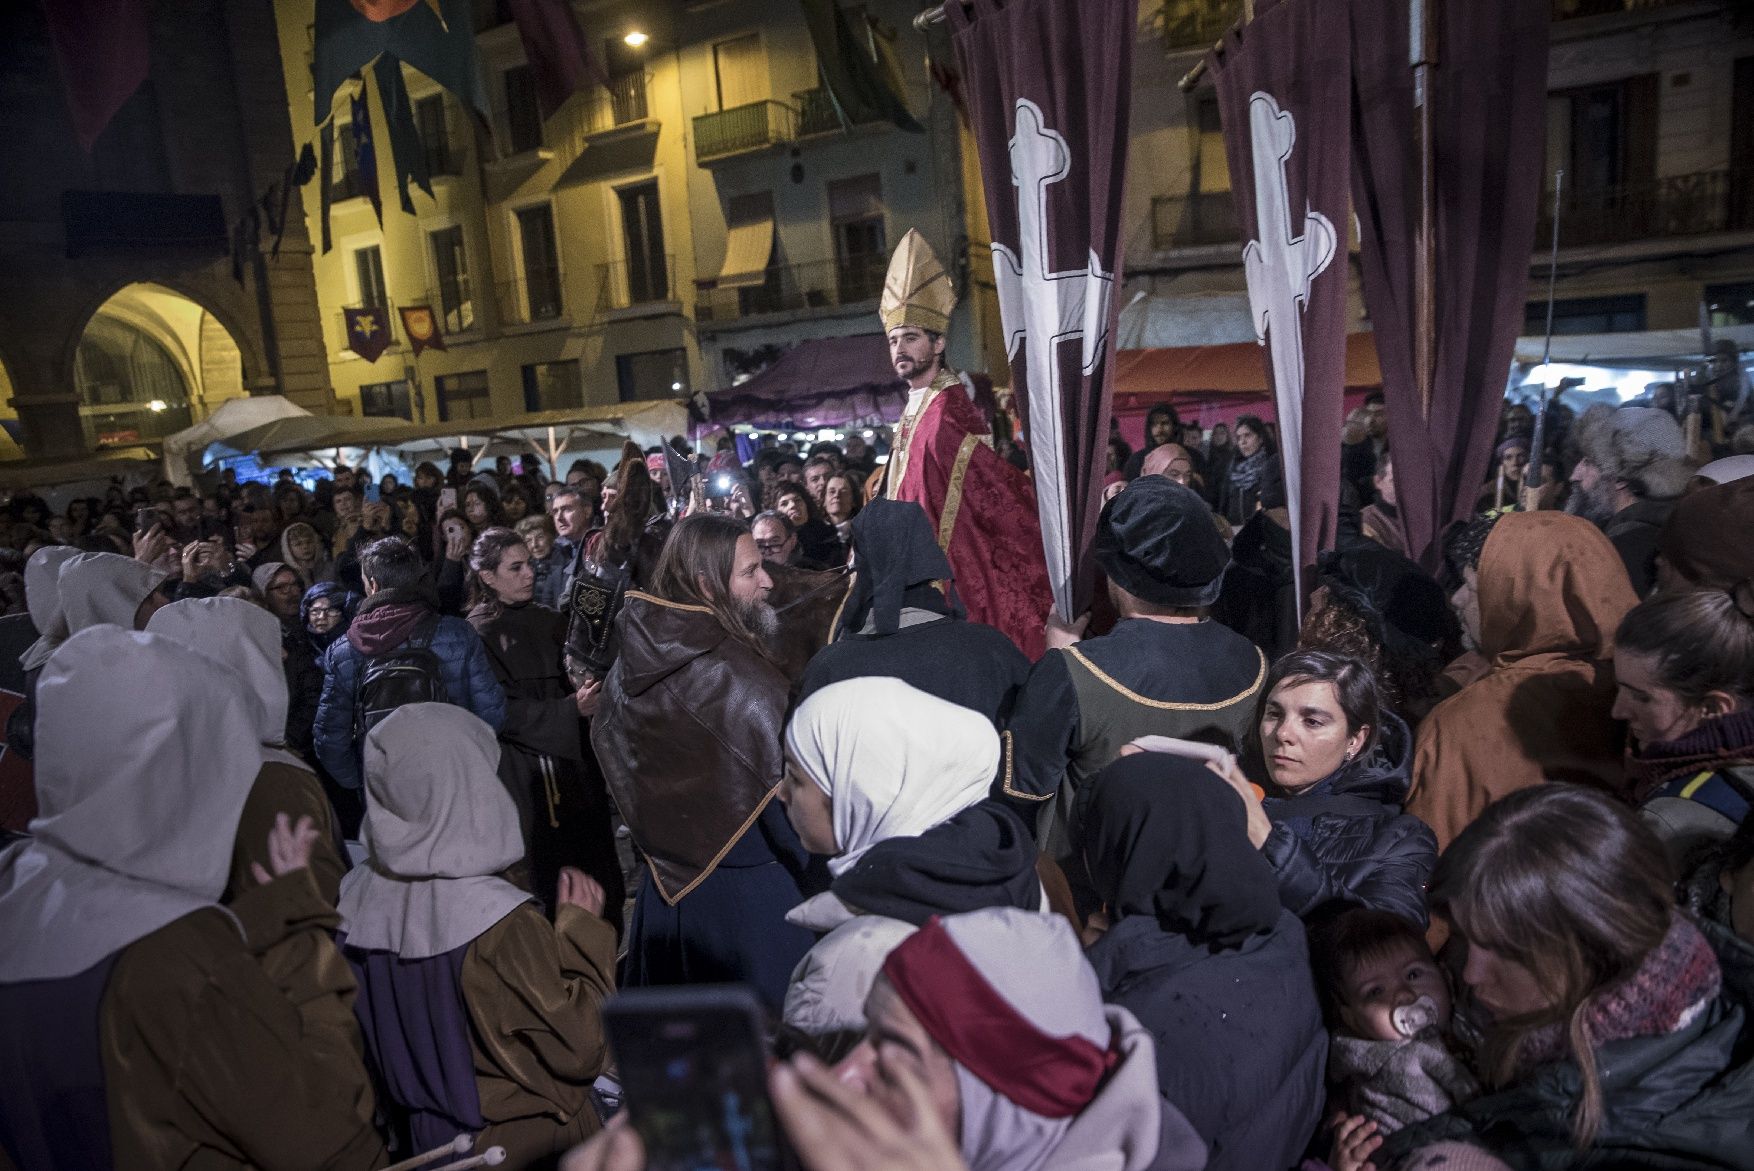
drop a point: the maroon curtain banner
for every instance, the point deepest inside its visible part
(1284, 102)
(103, 50)
(1488, 128)
(1048, 85)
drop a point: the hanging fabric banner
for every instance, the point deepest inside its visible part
(368, 332)
(422, 327)
(104, 52)
(852, 71)
(1049, 85)
(1283, 85)
(562, 59)
(325, 178)
(405, 147)
(438, 40)
(365, 153)
(1489, 103)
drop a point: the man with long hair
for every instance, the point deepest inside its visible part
(688, 736)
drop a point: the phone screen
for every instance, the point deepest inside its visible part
(373, 493)
(694, 1071)
(447, 500)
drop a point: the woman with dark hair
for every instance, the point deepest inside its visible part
(561, 803)
(428, 476)
(1201, 951)
(481, 507)
(1614, 1038)
(816, 536)
(1684, 684)
(1254, 466)
(1336, 762)
(635, 526)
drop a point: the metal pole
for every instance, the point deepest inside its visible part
(1532, 473)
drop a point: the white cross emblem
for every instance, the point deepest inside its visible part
(1280, 267)
(1039, 310)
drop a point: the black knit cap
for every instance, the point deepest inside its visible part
(1157, 541)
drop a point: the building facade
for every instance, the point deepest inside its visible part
(121, 318)
(671, 232)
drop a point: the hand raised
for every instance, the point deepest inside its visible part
(289, 848)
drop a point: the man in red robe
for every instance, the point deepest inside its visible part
(982, 507)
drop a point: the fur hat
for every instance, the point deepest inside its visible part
(1640, 445)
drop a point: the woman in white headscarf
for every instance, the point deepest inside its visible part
(480, 1014)
(107, 587)
(891, 784)
(141, 1026)
(244, 639)
(1021, 1057)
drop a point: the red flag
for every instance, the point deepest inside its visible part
(368, 331)
(1284, 100)
(422, 328)
(1049, 85)
(102, 47)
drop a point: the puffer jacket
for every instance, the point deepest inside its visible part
(385, 622)
(1346, 840)
(1679, 1100)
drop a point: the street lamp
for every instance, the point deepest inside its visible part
(636, 39)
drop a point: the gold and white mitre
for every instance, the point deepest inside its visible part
(917, 291)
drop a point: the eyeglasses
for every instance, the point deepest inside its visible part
(770, 546)
(322, 612)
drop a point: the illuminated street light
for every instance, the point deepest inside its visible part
(636, 38)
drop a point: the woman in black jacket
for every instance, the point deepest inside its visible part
(1203, 954)
(544, 761)
(1337, 764)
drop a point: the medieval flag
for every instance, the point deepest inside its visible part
(1284, 102)
(421, 325)
(562, 59)
(365, 152)
(325, 179)
(436, 38)
(368, 331)
(862, 85)
(405, 148)
(1488, 89)
(103, 49)
(1049, 86)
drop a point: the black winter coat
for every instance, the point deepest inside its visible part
(1347, 842)
(1681, 1100)
(1240, 1044)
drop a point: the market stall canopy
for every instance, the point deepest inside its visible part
(301, 433)
(1232, 369)
(232, 417)
(57, 478)
(1643, 349)
(1161, 321)
(822, 382)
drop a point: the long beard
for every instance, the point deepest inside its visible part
(1593, 505)
(760, 619)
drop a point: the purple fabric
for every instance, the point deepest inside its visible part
(1488, 116)
(1049, 87)
(561, 56)
(387, 627)
(416, 1030)
(822, 382)
(54, 1113)
(1294, 55)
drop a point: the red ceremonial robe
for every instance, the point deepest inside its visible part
(983, 510)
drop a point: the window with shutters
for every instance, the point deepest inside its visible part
(523, 113)
(740, 71)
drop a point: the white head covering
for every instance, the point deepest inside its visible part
(105, 587)
(265, 572)
(1057, 991)
(1719, 471)
(440, 826)
(893, 760)
(145, 756)
(243, 638)
(42, 595)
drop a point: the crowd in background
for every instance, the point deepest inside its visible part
(341, 833)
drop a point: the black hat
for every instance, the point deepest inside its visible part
(1157, 540)
(895, 552)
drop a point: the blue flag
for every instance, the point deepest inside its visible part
(347, 41)
(365, 154)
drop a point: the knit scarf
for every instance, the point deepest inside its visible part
(1246, 474)
(1677, 978)
(1715, 744)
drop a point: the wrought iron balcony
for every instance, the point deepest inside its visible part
(743, 128)
(1193, 221)
(816, 112)
(1679, 205)
(621, 285)
(537, 296)
(792, 288)
(623, 102)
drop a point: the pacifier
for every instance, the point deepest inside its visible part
(1411, 1019)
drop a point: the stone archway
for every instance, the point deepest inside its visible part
(151, 360)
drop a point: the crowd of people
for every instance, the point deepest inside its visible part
(336, 817)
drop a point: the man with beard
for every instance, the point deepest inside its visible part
(981, 507)
(688, 736)
(1633, 469)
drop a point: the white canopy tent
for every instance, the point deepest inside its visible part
(233, 417)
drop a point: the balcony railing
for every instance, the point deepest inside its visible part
(743, 128)
(1193, 221)
(623, 102)
(793, 288)
(1680, 205)
(1196, 24)
(623, 286)
(536, 296)
(816, 112)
